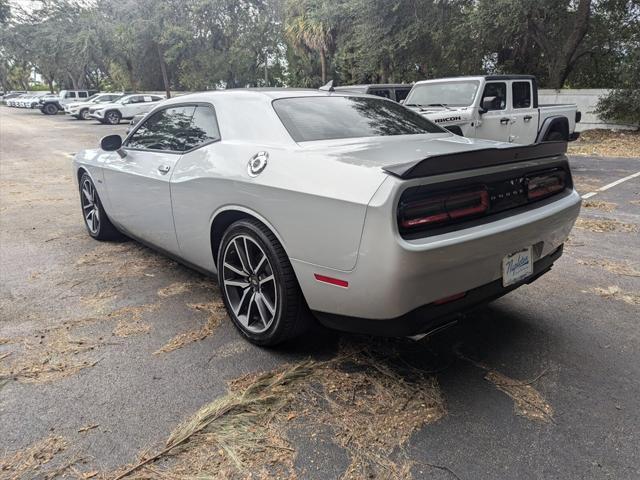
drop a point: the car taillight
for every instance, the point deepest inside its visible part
(545, 185)
(440, 209)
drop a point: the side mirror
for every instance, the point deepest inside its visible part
(487, 104)
(111, 143)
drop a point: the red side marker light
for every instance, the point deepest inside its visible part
(331, 280)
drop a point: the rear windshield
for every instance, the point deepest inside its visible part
(326, 118)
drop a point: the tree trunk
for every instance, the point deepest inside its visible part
(74, 85)
(565, 59)
(266, 72)
(323, 65)
(163, 69)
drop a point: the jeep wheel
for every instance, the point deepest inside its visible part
(50, 109)
(112, 117)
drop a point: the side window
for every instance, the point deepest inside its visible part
(380, 92)
(70, 95)
(156, 99)
(147, 99)
(204, 128)
(165, 130)
(521, 94)
(497, 94)
(82, 94)
(401, 93)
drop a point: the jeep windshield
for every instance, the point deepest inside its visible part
(443, 94)
(328, 118)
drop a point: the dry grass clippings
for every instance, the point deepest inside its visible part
(615, 293)
(603, 225)
(371, 407)
(613, 267)
(130, 321)
(216, 313)
(28, 463)
(528, 402)
(607, 143)
(177, 288)
(127, 259)
(599, 205)
(50, 355)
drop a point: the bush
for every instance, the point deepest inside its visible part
(621, 106)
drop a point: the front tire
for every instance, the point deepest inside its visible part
(258, 285)
(95, 218)
(84, 114)
(112, 117)
(50, 109)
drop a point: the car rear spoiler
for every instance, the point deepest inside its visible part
(486, 157)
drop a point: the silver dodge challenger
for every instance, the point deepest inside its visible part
(348, 206)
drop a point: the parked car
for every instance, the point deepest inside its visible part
(10, 96)
(80, 110)
(495, 107)
(392, 91)
(375, 218)
(126, 107)
(12, 99)
(31, 100)
(52, 104)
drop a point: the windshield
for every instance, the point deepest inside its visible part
(454, 94)
(326, 118)
(93, 97)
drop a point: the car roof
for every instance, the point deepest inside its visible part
(479, 77)
(258, 94)
(374, 85)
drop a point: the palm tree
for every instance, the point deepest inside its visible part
(304, 31)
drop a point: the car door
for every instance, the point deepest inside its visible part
(494, 123)
(133, 106)
(137, 182)
(524, 117)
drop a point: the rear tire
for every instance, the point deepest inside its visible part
(112, 117)
(95, 218)
(258, 285)
(50, 109)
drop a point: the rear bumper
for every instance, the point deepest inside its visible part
(394, 276)
(428, 318)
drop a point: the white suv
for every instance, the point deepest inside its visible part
(52, 104)
(80, 110)
(127, 107)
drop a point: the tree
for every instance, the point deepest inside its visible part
(308, 27)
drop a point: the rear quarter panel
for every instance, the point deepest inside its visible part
(315, 206)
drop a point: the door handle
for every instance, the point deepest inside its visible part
(164, 169)
(504, 121)
(527, 118)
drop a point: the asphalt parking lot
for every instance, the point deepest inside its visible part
(106, 348)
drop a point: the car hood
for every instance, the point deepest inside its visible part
(378, 152)
(446, 116)
(100, 106)
(84, 104)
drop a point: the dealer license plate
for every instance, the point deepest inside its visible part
(517, 267)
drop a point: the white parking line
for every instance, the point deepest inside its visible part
(609, 185)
